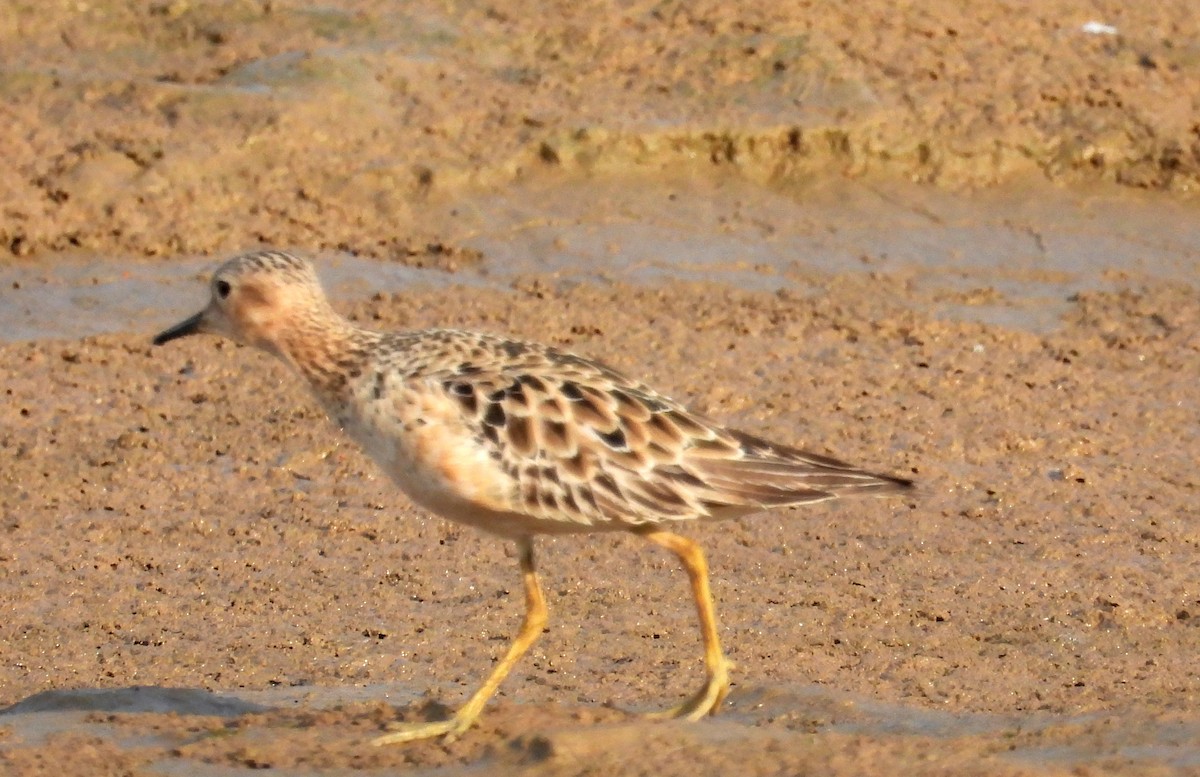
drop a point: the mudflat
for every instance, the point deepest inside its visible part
(199, 575)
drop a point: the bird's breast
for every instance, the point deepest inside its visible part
(421, 440)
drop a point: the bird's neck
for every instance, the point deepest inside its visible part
(329, 351)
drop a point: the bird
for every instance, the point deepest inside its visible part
(520, 439)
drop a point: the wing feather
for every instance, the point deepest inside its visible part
(611, 450)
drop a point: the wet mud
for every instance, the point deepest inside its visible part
(953, 244)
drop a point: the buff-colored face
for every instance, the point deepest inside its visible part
(251, 301)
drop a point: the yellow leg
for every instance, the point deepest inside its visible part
(708, 699)
(531, 629)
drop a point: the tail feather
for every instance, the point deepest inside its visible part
(770, 475)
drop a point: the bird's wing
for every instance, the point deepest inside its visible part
(584, 443)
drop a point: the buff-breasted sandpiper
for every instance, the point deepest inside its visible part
(520, 439)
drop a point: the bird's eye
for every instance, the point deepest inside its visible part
(223, 289)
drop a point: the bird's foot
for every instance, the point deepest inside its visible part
(450, 728)
(706, 701)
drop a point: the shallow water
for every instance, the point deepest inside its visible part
(780, 713)
(1007, 257)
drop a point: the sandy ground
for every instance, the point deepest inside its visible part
(162, 127)
(184, 520)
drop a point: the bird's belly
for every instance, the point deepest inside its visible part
(444, 469)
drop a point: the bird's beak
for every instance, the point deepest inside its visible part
(191, 326)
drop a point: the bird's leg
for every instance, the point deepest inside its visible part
(531, 629)
(708, 699)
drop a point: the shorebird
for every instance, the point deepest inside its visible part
(520, 439)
